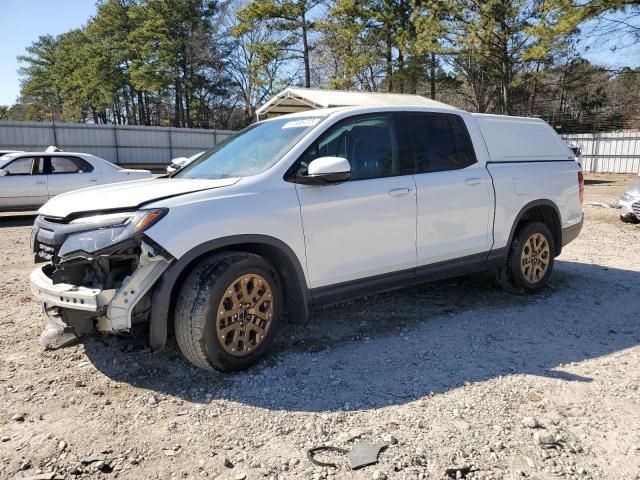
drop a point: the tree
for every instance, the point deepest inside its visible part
(291, 17)
(165, 57)
(109, 33)
(37, 85)
(504, 39)
(255, 64)
(625, 96)
(351, 47)
(129, 62)
(202, 63)
(433, 22)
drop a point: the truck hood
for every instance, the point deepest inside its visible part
(119, 196)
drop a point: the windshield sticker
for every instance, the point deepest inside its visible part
(305, 122)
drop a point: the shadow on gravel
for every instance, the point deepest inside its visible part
(592, 181)
(17, 220)
(398, 347)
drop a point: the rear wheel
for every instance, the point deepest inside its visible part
(530, 261)
(228, 311)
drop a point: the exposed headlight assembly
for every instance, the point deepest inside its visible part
(109, 230)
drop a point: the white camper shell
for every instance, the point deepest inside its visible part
(520, 139)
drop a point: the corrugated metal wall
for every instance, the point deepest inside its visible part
(611, 152)
(120, 144)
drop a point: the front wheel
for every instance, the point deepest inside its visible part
(530, 261)
(228, 311)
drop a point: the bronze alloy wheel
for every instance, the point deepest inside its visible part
(245, 314)
(534, 260)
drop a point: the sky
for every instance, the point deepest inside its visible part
(23, 21)
(612, 40)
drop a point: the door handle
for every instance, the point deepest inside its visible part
(40, 183)
(473, 181)
(400, 192)
(93, 179)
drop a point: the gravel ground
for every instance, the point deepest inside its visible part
(458, 378)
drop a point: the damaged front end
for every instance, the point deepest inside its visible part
(98, 273)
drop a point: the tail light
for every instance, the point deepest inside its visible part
(581, 185)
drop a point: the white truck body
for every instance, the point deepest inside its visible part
(346, 238)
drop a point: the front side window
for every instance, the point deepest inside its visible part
(69, 165)
(25, 166)
(432, 142)
(251, 151)
(367, 143)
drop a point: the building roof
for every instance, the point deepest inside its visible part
(293, 100)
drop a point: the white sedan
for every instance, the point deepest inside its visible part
(30, 179)
(629, 204)
(181, 162)
(4, 152)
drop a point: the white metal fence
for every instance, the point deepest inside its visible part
(614, 152)
(129, 145)
(611, 152)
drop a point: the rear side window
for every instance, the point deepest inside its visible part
(432, 142)
(25, 166)
(69, 165)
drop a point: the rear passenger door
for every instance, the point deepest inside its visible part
(454, 196)
(66, 173)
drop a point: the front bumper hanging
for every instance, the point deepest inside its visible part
(68, 296)
(111, 308)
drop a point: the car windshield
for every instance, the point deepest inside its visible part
(4, 159)
(251, 151)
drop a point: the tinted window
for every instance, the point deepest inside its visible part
(69, 165)
(432, 143)
(25, 166)
(365, 142)
(464, 150)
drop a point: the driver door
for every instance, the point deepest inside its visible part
(363, 227)
(25, 184)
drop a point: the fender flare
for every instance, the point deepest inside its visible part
(162, 294)
(539, 203)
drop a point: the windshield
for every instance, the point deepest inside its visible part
(251, 151)
(4, 159)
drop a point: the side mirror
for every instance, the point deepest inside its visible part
(3, 172)
(180, 161)
(326, 170)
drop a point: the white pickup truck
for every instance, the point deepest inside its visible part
(304, 210)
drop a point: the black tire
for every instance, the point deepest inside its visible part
(629, 219)
(197, 308)
(511, 277)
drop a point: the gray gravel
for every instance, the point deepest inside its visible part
(458, 378)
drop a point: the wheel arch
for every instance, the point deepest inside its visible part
(545, 211)
(278, 253)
